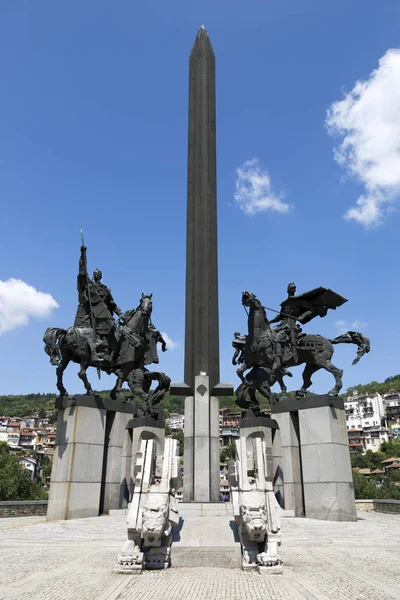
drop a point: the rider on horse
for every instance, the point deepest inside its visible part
(96, 309)
(294, 308)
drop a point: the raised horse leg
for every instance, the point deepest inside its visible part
(324, 362)
(240, 371)
(279, 378)
(117, 389)
(59, 372)
(136, 382)
(82, 375)
(308, 372)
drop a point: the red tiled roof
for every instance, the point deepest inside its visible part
(388, 460)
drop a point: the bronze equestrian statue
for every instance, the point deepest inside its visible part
(268, 351)
(124, 348)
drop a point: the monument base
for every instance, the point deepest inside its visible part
(153, 509)
(206, 536)
(255, 507)
(86, 478)
(318, 481)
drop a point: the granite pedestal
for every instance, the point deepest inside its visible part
(87, 479)
(316, 466)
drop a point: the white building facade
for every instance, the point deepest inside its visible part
(176, 422)
(366, 421)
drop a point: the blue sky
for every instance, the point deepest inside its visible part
(93, 121)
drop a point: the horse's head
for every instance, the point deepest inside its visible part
(249, 299)
(135, 317)
(146, 304)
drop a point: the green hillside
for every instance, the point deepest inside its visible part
(24, 405)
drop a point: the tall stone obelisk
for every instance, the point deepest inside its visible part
(201, 476)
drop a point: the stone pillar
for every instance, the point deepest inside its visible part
(201, 477)
(77, 463)
(314, 443)
(277, 471)
(143, 428)
(325, 456)
(114, 476)
(289, 464)
(127, 482)
(86, 473)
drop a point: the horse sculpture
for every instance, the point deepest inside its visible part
(314, 350)
(125, 356)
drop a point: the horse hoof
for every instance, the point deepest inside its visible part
(300, 394)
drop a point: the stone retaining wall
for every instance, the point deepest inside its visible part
(387, 506)
(21, 508)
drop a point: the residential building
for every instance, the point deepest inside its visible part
(41, 439)
(395, 428)
(176, 422)
(225, 489)
(27, 438)
(392, 404)
(14, 425)
(51, 443)
(356, 440)
(13, 439)
(391, 464)
(366, 421)
(228, 426)
(29, 463)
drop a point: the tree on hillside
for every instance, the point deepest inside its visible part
(364, 488)
(359, 461)
(15, 481)
(391, 449)
(227, 453)
(374, 459)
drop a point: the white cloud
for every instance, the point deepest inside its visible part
(254, 191)
(19, 301)
(341, 326)
(344, 326)
(171, 345)
(368, 120)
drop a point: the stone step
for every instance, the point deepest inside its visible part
(216, 556)
(205, 509)
(206, 540)
(117, 512)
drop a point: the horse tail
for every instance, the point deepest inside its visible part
(52, 339)
(354, 337)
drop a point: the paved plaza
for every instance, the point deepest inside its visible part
(74, 560)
